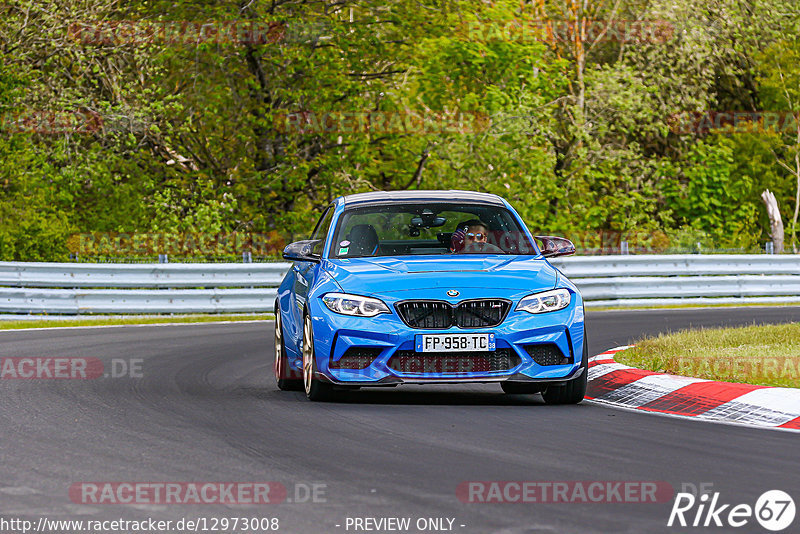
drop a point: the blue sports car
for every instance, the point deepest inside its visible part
(423, 287)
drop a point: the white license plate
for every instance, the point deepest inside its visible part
(454, 342)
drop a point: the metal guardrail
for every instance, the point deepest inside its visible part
(651, 280)
(143, 275)
(677, 265)
(78, 301)
(78, 288)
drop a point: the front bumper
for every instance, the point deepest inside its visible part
(397, 380)
(386, 334)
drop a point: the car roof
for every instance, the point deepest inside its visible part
(452, 195)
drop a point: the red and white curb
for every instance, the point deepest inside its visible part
(727, 402)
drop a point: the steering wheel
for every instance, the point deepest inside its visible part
(482, 248)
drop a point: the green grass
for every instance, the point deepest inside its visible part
(87, 321)
(767, 355)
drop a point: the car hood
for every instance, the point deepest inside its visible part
(367, 276)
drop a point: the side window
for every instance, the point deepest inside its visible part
(321, 230)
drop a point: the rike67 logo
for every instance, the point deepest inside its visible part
(774, 510)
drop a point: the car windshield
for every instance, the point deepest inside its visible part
(411, 229)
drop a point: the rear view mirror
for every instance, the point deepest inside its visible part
(428, 222)
(427, 219)
(553, 247)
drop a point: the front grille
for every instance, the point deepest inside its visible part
(477, 313)
(426, 313)
(411, 362)
(481, 313)
(356, 358)
(547, 354)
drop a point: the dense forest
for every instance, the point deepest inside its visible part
(655, 122)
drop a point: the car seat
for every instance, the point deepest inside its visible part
(363, 240)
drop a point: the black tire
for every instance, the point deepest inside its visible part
(315, 390)
(520, 388)
(284, 376)
(573, 391)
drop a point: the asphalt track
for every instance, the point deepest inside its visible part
(206, 409)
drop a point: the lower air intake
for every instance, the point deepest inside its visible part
(356, 358)
(547, 354)
(411, 362)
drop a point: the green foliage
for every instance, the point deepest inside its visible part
(779, 88)
(194, 137)
(710, 197)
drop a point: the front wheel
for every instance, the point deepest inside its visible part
(315, 390)
(573, 391)
(286, 378)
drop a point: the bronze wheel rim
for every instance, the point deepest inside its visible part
(278, 345)
(308, 355)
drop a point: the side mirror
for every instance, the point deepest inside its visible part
(552, 246)
(302, 251)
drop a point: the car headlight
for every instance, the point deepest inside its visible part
(354, 305)
(547, 301)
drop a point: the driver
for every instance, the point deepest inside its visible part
(477, 232)
(468, 235)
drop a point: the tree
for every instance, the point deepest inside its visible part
(780, 90)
